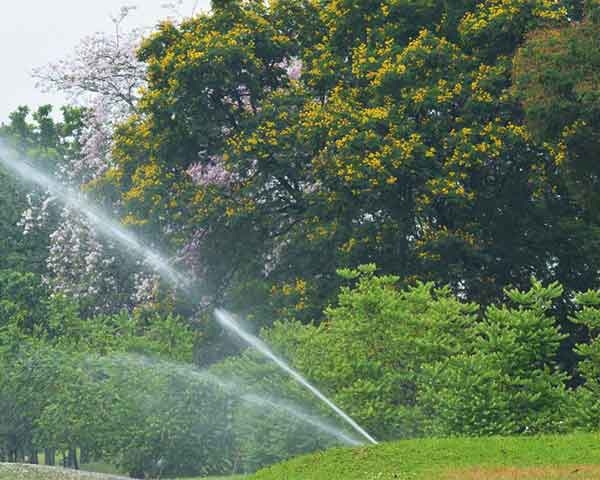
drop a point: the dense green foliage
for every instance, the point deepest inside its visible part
(588, 404)
(400, 135)
(506, 380)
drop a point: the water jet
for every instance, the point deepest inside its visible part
(229, 323)
(112, 229)
(100, 221)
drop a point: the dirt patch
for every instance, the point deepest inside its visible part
(566, 472)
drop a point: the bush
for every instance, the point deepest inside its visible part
(370, 351)
(418, 361)
(587, 397)
(507, 382)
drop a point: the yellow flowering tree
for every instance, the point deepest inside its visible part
(275, 143)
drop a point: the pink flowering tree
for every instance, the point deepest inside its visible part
(103, 76)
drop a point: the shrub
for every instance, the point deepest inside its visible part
(587, 397)
(506, 383)
(370, 351)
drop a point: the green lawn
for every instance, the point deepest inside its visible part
(551, 457)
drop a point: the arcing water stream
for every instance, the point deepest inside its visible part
(100, 221)
(270, 404)
(229, 323)
(112, 229)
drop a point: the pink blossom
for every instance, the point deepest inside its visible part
(103, 65)
(190, 254)
(293, 68)
(37, 214)
(211, 173)
(80, 265)
(146, 287)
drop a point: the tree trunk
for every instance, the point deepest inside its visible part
(50, 457)
(84, 456)
(72, 459)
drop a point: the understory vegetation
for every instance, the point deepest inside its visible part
(400, 197)
(404, 363)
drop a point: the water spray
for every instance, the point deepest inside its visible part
(231, 386)
(270, 403)
(229, 323)
(101, 222)
(104, 224)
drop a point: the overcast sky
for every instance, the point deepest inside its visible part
(36, 32)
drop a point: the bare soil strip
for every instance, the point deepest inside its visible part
(566, 472)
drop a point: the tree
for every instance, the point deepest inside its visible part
(300, 139)
(239, 57)
(556, 72)
(105, 76)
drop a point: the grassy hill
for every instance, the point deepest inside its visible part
(551, 457)
(573, 457)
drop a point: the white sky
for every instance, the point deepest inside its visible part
(36, 32)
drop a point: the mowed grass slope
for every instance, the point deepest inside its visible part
(550, 457)
(572, 457)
